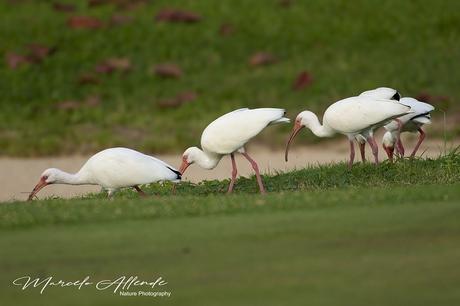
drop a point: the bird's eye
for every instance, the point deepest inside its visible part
(45, 177)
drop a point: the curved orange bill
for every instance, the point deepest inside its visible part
(183, 166)
(41, 183)
(295, 130)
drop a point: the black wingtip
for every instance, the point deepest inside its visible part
(396, 96)
(179, 175)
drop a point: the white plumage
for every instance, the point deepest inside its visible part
(229, 134)
(353, 117)
(413, 122)
(232, 131)
(112, 169)
(362, 114)
(385, 93)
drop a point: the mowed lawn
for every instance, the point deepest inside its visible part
(352, 243)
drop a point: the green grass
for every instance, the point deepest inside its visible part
(386, 235)
(196, 199)
(348, 47)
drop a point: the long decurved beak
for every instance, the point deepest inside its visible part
(295, 130)
(41, 183)
(184, 166)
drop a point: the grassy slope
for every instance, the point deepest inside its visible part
(347, 46)
(352, 245)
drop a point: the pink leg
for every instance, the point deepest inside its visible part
(256, 169)
(419, 142)
(375, 148)
(362, 149)
(389, 151)
(352, 154)
(234, 172)
(400, 147)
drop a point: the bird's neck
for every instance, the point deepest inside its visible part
(389, 138)
(208, 160)
(320, 130)
(71, 179)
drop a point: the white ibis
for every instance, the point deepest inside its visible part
(227, 135)
(413, 122)
(378, 93)
(353, 116)
(112, 169)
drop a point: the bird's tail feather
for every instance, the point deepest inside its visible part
(281, 120)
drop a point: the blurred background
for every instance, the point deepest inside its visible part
(78, 76)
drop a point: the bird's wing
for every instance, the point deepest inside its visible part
(231, 131)
(416, 106)
(356, 114)
(382, 93)
(121, 167)
(420, 110)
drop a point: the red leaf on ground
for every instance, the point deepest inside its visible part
(262, 59)
(178, 100)
(121, 63)
(174, 15)
(304, 79)
(167, 70)
(88, 78)
(15, 60)
(84, 22)
(63, 7)
(38, 53)
(226, 29)
(68, 105)
(104, 68)
(110, 65)
(118, 19)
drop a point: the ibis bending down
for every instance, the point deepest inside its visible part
(413, 122)
(227, 135)
(378, 93)
(112, 169)
(353, 116)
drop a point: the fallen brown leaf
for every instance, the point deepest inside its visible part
(38, 52)
(84, 22)
(114, 64)
(262, 59)
(174, 15)
(68, 105)
(167, 70)
(63, 7)
(178, 100)
(118, 19)
(304, 79)
(87, 79)
(15, 60)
